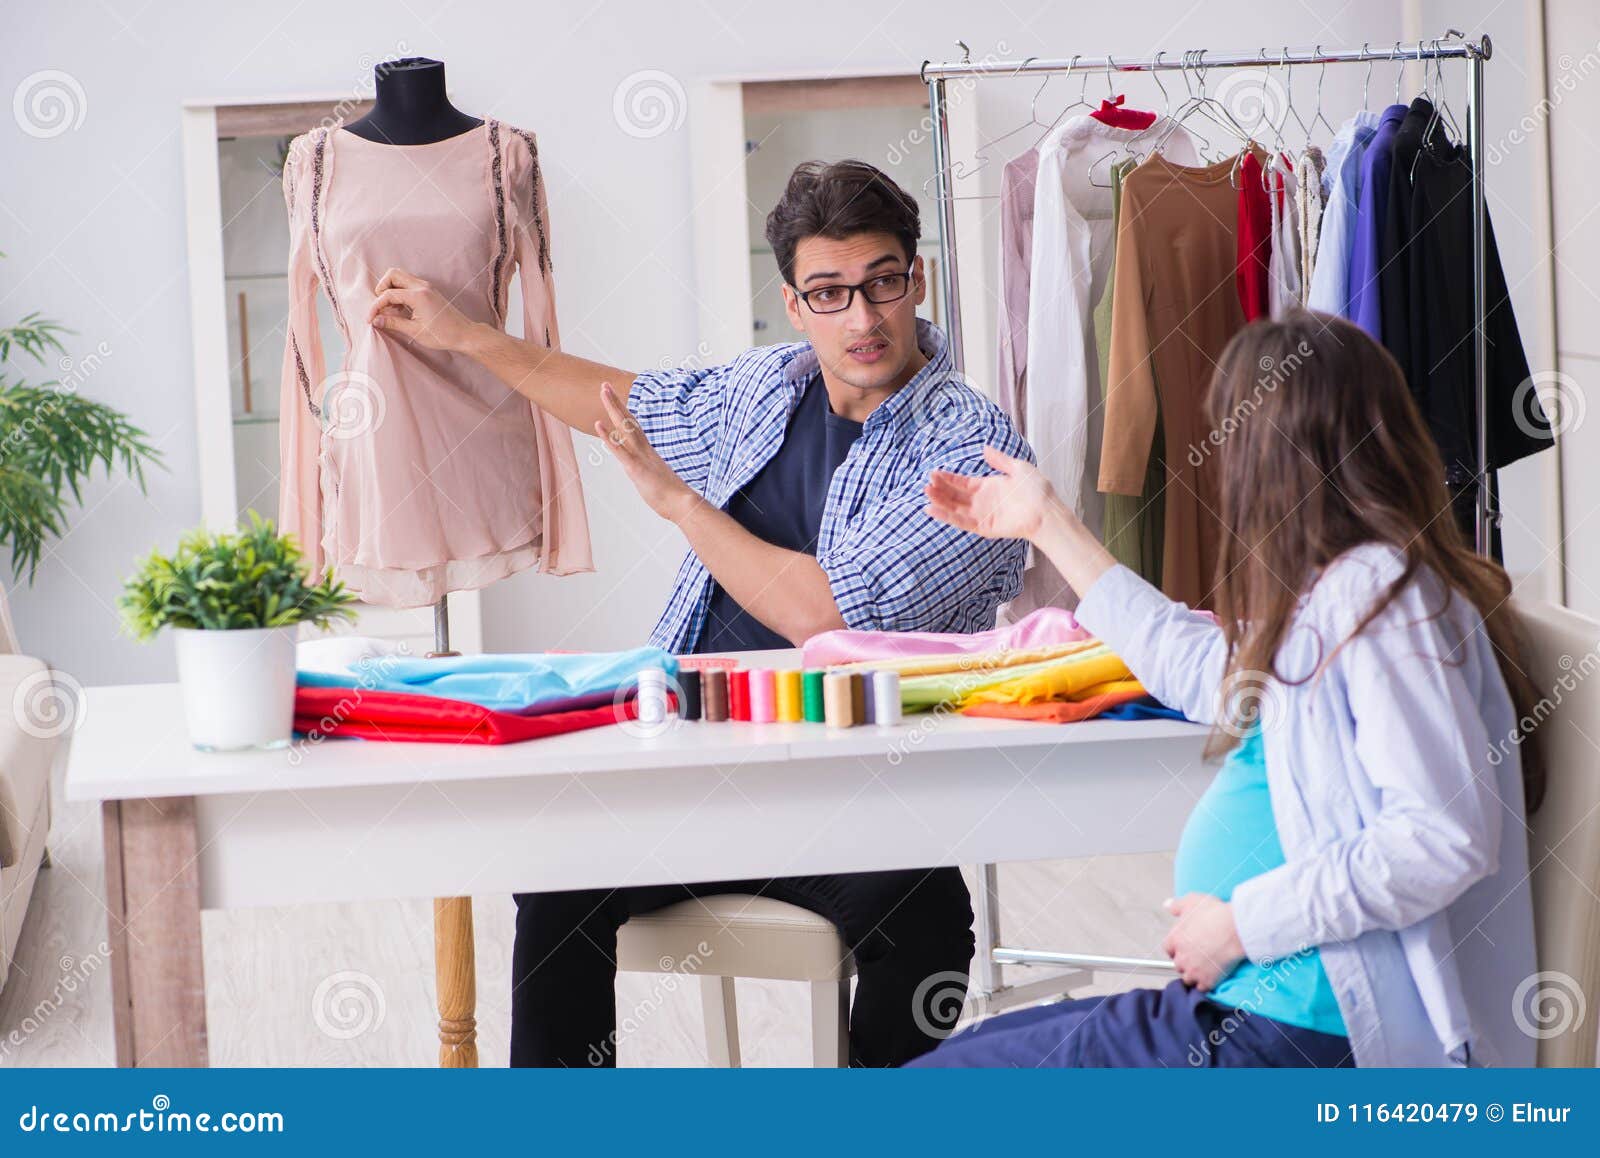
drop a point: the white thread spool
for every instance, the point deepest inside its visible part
(885, 697)
(652, 695)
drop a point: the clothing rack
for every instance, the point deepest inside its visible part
(1451, 46)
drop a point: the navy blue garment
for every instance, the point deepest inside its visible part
(783, 505)
(1172, 1027)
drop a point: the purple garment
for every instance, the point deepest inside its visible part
(1365, 306)
(1017, 183)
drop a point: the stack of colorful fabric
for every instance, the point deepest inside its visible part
(366, 688)
(1045, 667)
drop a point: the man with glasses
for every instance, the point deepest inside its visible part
(796, 473)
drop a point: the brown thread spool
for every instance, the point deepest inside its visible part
(838, 708)
(858, 699)
(714, 695)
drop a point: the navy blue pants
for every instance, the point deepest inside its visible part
(1171, 1027)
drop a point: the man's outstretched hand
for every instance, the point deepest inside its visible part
(667, 494)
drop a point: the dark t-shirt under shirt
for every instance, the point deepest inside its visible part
(783, 505)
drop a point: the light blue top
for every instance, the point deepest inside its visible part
(1397, 793)
(1330, 277)
(1229, 838)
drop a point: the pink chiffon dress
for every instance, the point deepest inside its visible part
(412, 472)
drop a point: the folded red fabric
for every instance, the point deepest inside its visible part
(375, 715)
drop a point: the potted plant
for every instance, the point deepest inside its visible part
(235, 600)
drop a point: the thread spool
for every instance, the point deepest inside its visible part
(868, 713)
(763, 695)
(886, 697)
(652, 682)
(739, 694)
(688, 693)
(714, 695)
(789, 695)
(838, 708)
(858, 698)
(811, 696)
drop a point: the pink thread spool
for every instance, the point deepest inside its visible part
(763, 695)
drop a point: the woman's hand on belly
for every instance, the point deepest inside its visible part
(1204, 944)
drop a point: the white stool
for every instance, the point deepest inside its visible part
(723, 937)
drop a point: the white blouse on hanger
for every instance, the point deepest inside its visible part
(1071, 262)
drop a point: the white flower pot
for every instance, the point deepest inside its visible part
(238, 686)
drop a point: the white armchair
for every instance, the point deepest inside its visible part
(29, 748)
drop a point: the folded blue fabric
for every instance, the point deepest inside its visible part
(1149, 708)
(515, 682)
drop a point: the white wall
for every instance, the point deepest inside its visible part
(93, 219)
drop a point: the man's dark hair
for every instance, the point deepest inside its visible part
(838, 200)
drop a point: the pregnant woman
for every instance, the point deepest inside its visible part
(1353, 887)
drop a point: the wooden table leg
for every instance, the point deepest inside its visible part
(158, 984)
(456, 972)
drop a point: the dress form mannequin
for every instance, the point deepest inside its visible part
(411, 106)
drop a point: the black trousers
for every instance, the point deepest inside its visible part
(910, 932)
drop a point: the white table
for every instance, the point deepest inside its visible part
(353, 820)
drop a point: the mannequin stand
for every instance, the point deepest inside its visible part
(455, 962)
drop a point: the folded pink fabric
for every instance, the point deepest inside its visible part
(1042, 628)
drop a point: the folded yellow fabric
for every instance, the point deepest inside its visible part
(977, 662)
(1024, 683)
(1062, 679)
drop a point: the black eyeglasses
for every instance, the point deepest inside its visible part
(834, 299)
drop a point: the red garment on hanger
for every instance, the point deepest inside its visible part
(375, 715)
(1112, 113)
(1255, 238)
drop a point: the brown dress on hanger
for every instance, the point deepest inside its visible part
(1174, 308)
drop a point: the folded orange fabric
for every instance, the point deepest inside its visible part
(1093, 702)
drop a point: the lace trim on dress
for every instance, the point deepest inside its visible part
(305, 381)
(316, 226)
(502, 241)
(533, 199)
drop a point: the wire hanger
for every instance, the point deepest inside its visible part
(1200, 102)
(1366, 84)
(1318, 115)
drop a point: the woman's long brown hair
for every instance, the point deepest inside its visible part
(1320, 449)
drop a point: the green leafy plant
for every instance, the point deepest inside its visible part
(252, 577)
(50, 440)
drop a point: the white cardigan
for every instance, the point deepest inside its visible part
(1397, 796)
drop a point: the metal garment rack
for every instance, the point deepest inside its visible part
(991, 953)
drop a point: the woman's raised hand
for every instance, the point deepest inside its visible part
(1008, 505)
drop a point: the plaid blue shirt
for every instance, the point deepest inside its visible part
(891, 566)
